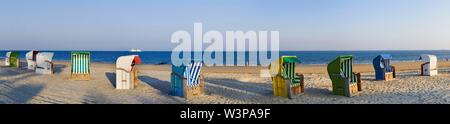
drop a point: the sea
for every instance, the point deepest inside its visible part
(305, 57)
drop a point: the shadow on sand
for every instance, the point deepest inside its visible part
(257, 88)
(57, 68)
(4, 71)
(20, 94)
(162, 86)
(242, 91)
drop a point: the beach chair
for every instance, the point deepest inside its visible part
(127, 72)
(12, 59)
(80, 66)
(383, 68)
(344, 81)
(7, 63)
(286, 82)
(44, 64)
(31, 59)
(187, 81)
(429, 67)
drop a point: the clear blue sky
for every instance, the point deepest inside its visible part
(148, 24)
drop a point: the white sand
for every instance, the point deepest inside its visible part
(24, 86)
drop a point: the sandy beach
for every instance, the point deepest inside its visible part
(224, 85)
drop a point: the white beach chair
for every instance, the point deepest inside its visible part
(44, 64)
(429, 67)
(126, 71)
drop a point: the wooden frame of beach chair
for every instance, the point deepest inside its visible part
(14, 60)
(187, 81)
(383, 68)
(286, 83)
(127, 72)
(345, 82)
(80, 62)
(31, 59)
(44, 64)
(429, 67)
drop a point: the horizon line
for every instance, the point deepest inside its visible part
(233, 51)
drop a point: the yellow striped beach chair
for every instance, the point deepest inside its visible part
(286, 82)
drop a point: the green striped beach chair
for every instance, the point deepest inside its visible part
(345, 82)
(81, 66)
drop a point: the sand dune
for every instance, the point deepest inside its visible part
(224, 85)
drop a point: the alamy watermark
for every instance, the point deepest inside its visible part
(213, 47)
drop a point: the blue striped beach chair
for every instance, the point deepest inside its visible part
(383, 68)
(80, 66)
(187, 81)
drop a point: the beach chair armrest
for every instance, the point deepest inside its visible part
(394, 74)
(299, 76)
(358, 80)
(49, 62)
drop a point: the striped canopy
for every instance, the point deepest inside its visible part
(288, 67)
(284, 66)
(192, 73)
(80, 62)
(342, 65)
